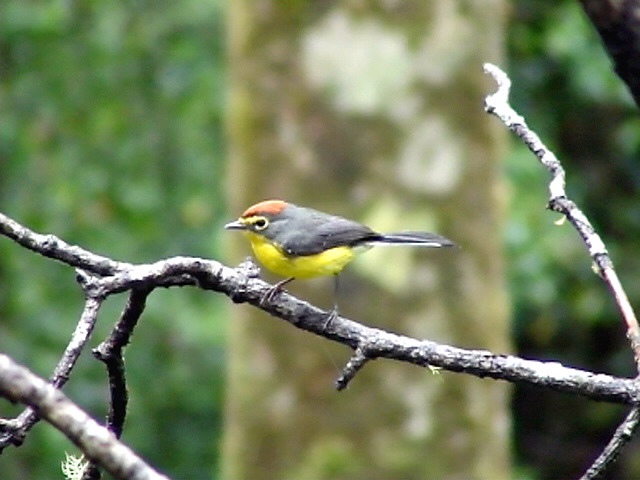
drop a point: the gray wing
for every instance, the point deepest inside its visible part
(316, 232)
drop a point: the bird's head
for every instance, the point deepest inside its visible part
(261, 217)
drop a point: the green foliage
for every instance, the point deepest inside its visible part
(111, 138)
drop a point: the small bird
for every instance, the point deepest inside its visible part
(299, 242)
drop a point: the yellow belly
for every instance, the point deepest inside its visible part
(329, 262)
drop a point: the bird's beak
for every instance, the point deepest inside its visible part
(235, 226)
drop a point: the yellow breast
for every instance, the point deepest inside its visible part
(329, 262)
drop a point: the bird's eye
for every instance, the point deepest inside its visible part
(260, 223)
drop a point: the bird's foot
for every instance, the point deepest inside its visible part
(273, 291)
(331, 316)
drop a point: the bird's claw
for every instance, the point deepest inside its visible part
(271, 293)
(332, 315)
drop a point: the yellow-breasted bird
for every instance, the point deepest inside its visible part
(298, 242)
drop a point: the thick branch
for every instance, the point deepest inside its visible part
(241, 286)
(19, 385)
(214, 276)
(618, 23)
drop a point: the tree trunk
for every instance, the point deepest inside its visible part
(370, 110)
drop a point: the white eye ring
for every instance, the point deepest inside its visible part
(261, 223)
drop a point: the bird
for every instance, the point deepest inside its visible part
(299, 242)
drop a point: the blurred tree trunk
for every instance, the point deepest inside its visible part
(371, 110)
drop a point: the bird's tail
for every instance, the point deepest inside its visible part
(419, 239)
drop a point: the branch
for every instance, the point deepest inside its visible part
(13, 432)
(52, 247)
(609, 455)
(371, 342)
(99, 445)
(618, 25)
(110, 353)
(241, 286)
(354, 365)
(498, 105)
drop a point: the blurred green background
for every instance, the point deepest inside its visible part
(112, 138)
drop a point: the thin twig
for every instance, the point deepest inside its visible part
(79, 339)
(53, 247)
(358, 360)
(609, 455)
(110, 353)
(498, 105)
(13, 432)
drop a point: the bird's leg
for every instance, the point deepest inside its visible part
(333, 314)
(277, 288)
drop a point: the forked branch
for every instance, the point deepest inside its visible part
(498, 105)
